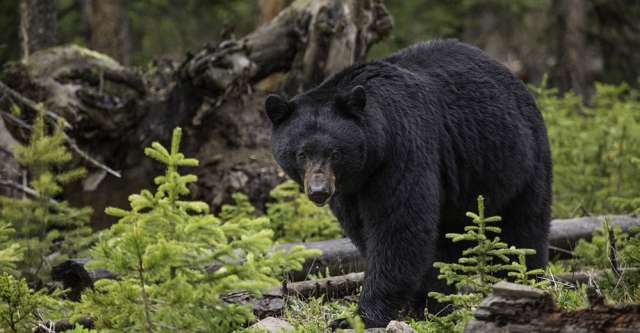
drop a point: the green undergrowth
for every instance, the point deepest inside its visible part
(594, 148)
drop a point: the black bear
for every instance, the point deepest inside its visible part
(401, 147)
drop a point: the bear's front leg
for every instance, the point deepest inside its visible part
(399, 253)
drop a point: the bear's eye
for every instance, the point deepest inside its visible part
(301, 155)
(335, 155)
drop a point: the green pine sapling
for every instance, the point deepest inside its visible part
(38, 221)
(175, 260)
(480, 264)
(478, 269)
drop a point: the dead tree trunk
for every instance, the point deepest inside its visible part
(109, 29)
(38, 25)
(216, 95)
(268, 10)
(571, 48)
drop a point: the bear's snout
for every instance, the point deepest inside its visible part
(319, 188)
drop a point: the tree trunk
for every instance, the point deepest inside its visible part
(38, 25)
(268, 10)
(216, 95)
(571, 48)
(109, 29)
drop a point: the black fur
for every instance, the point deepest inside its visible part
(439, 123)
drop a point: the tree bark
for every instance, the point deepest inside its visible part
(109, 29)
(38, 25)
(216, 95)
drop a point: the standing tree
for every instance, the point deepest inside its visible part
(268, 10)
(109, 29)
(571, 48)
(38, 25)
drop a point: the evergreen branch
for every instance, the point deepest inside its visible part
(15, 120)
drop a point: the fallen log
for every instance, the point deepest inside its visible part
(340, 257)
(273, 301)
(518, 308)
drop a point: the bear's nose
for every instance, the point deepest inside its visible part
(318, 189)
(319, 197)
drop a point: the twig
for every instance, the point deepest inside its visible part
(32, 105)
(45, 328)
(559, 249)
(90, 159)
(613, 250)
(72, 144)
(7, 115)
(25, 189)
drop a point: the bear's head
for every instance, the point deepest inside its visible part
(320, 141)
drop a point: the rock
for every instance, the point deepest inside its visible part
(399, 327)
(368, 330)
(393, 327)
(273, 325)
(508, 289)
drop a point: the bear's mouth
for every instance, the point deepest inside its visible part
(319, 183)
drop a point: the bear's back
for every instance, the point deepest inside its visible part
(490, 119)
(450, 60)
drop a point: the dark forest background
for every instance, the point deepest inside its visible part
(575, 41)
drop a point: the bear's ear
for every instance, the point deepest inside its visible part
(354, 101)
(277, 108)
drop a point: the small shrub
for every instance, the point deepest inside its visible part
(592, 148)
(476, 270)
(39, 222)
(21, 309)
(314, 315)
(479, 266)
(617, 253)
